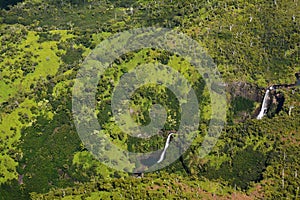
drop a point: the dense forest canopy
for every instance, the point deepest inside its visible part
(254, 44)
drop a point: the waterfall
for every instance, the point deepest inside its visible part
(264, 106)
(165, 149)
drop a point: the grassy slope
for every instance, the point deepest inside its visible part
(242, 67)
(13, 122)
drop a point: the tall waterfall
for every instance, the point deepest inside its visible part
(165, 149)
(264, 106)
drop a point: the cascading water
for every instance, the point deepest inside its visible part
(165, 149)
(264, 106)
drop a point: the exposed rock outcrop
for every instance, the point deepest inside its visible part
(245, 90)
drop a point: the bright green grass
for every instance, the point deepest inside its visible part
(10, 127)
(6, 91)
(48, 60)
(88, 162)
(12, 123)
(48, 63)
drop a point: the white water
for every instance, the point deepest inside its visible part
(165, 149)
(264, 106)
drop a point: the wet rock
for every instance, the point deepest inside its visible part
(276, 103)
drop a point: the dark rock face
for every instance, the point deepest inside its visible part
(249, 92)
(297, 75)
(6, 4)
(298, 79)
(245, 90)
(254, 93)
(276, 103)
(280, 100)
(242, 98)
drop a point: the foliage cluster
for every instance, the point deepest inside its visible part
(43, 44)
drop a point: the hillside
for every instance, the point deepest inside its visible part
(254, 44)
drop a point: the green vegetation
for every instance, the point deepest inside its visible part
(242, 104)
(43, 44)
